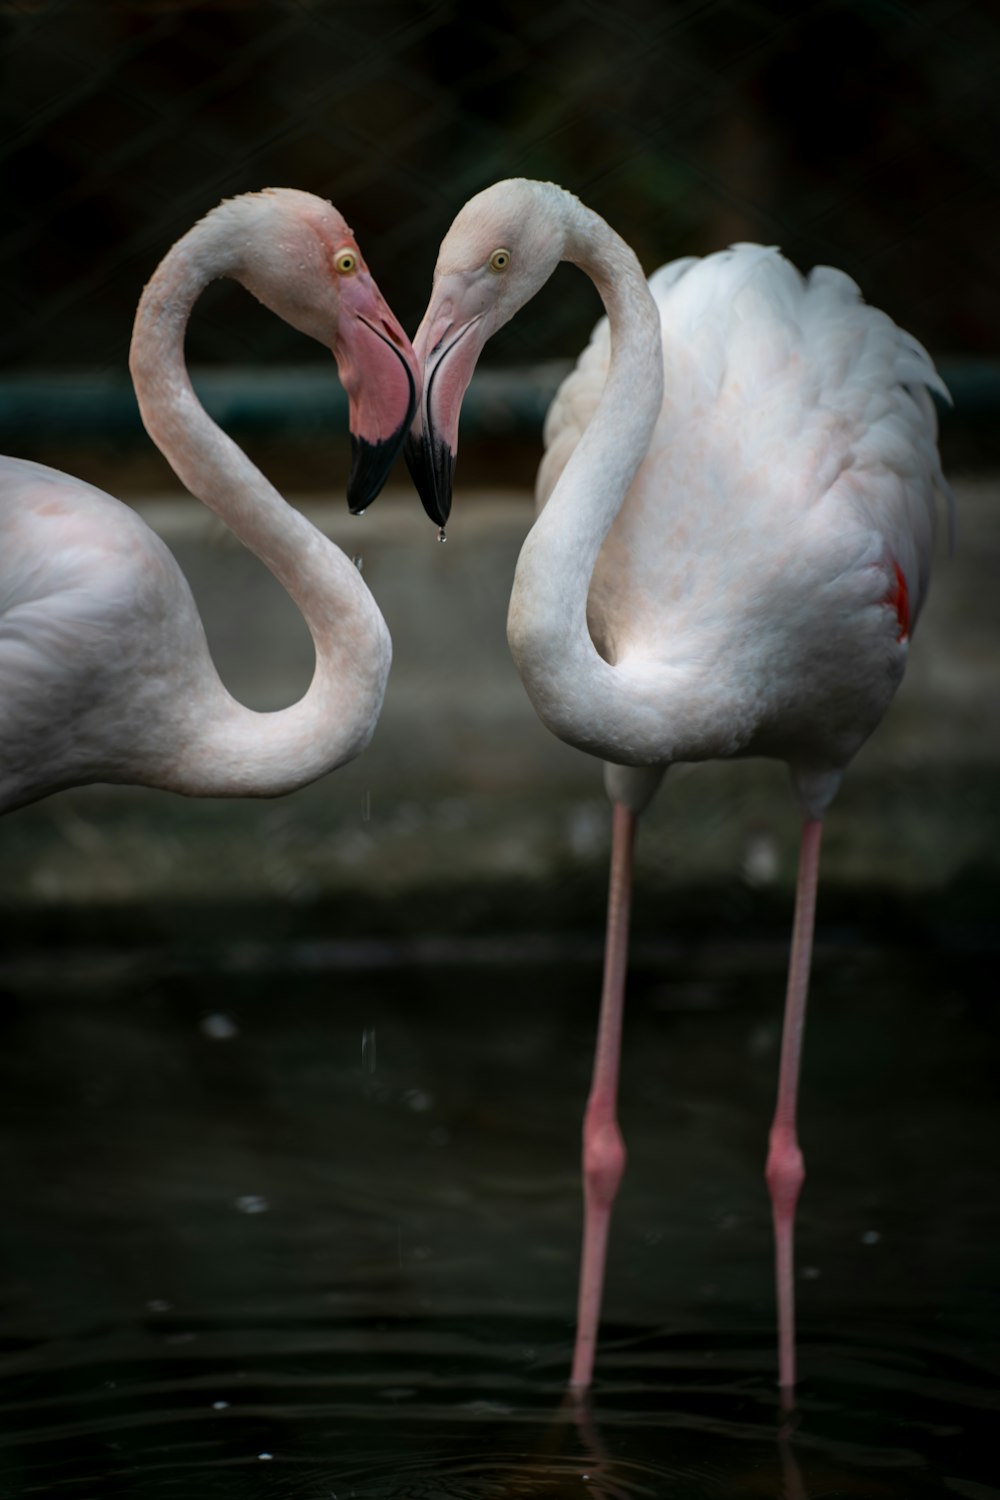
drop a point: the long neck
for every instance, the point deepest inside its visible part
(234, 750)
(580, 696)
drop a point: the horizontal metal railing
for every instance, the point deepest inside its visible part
(306, 400)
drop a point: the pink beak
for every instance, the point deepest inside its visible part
(379, 371)
(448, 343)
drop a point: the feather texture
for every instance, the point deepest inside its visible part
(794, 458)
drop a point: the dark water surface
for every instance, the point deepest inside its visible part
(302, 1220)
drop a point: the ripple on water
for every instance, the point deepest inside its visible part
(320, 1349)
(469, 1407)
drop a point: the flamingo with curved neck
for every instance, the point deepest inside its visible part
(738, 501)
(105, 670)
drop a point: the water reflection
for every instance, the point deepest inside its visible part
(238, 1260)
(370, 1407)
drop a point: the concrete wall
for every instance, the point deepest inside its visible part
(462, 784)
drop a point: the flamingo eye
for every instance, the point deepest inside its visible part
(345, 262)
(499, 260)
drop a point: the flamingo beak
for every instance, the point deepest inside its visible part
(379, 371)
(447, 346)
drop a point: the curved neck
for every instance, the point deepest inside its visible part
(580, 696)
(235, 751)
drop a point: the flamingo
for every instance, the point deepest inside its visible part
(104, 666)
(738, 500)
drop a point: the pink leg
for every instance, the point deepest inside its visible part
(603, 1147)
(785, 1171)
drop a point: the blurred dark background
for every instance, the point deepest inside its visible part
(863, 134)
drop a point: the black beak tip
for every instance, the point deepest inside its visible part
(370, 465)
(432, 468)
(371, 462)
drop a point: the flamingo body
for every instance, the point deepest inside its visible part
(105, 671)
(771, 556)
(101, 644)
(737, 505)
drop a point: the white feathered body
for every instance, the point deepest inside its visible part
(792, 471)
(106, 672)
(103, 656)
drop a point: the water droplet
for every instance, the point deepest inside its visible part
(442, 534)
(418, 1099)
(157, 1304)
(360, 512)
(761, 860)
(870, 1237)
(265, 1457)
(219, 1027)
(252, 1203)
(359, 562)
(368, 1050)
(220, 1405)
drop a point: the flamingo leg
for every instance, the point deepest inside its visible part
(785, 1171)
(603, 1147)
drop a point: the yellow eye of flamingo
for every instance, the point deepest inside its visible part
(346, 262)
(499, 260)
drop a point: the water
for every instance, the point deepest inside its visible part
(393, 1316)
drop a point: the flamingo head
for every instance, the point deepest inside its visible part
(500, 250)
(306, 267)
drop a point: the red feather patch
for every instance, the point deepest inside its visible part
(899, 598)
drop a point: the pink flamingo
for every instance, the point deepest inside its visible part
(105, 669)
(738, 500)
